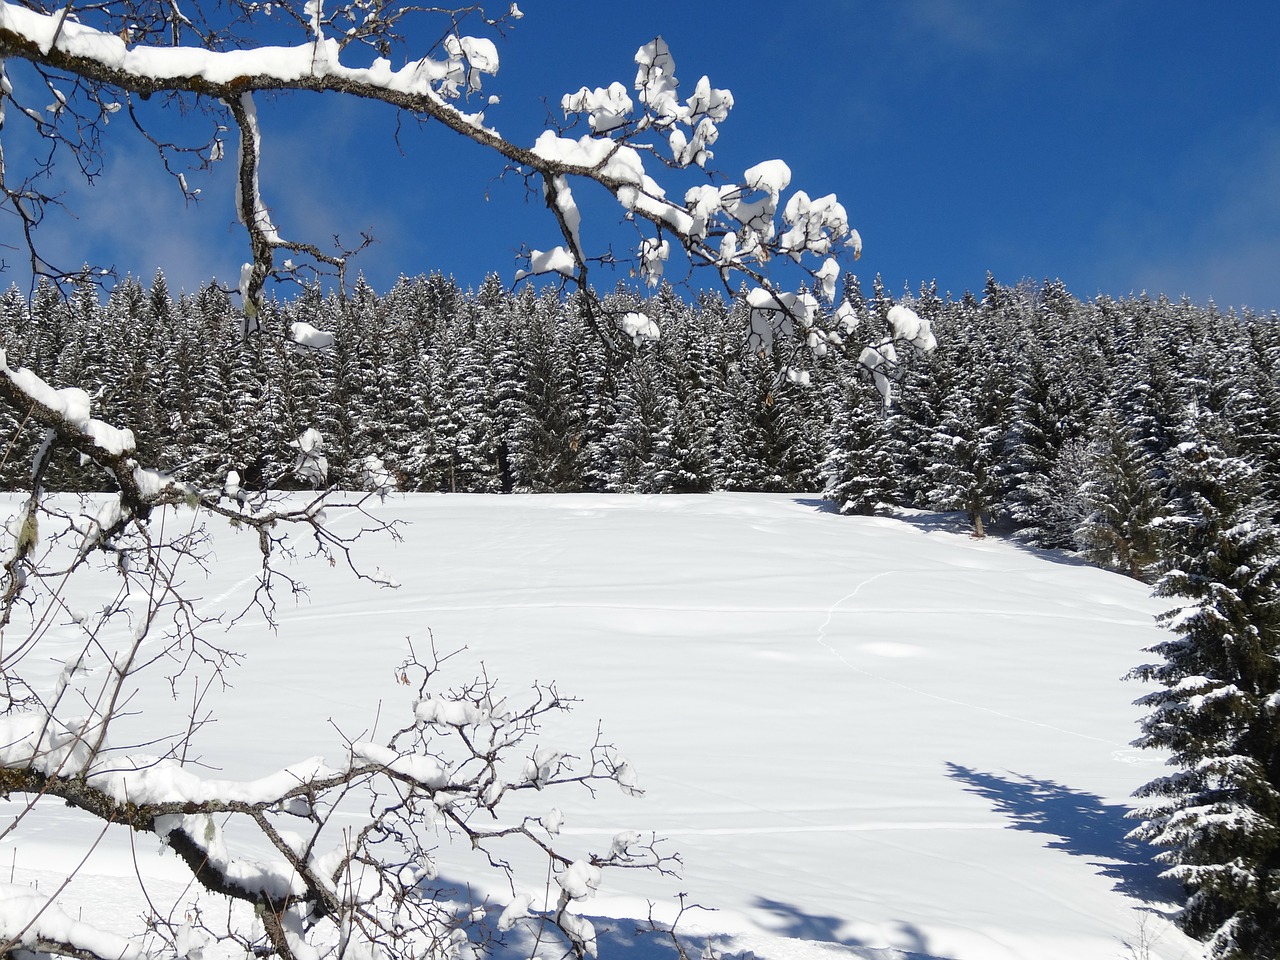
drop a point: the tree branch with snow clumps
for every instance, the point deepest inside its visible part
(98, 60)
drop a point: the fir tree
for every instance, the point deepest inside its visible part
(1122, 501)
(1042, 426)
(642, 434)
(859, 469)
(542, 401)
(964, 463)
(1218, 710)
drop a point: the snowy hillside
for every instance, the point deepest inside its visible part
(866, 737)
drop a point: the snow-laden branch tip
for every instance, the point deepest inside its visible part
(909, 327)
(640, 328)
(306, 335)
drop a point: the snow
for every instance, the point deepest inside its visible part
(869, 737)
(774, 313)
(827, 276)
(771, 176)
(467, 58)
(614, 160)
(608, 107)
(562, 196)
(311, 465)
(27, 917)
(580, 880)
(306, 335)
(375, 477)
(516, 910)
(816, 226)
(556, 260)
(656, 78)
(910, 326)
(653, 254)
(252, 135)
(640, 328)
(416, 767)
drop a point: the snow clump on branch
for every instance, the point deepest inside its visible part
(907, 328)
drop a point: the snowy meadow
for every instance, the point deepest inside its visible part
(865, 737)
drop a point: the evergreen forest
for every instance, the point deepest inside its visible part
(1052, 417)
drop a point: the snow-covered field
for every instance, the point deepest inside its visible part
(866, 737)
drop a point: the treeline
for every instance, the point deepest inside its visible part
(1052, 415)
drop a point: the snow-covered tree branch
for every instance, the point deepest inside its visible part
(97, 59)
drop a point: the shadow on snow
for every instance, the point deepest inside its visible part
(790, 921)
(637, 939)
(957, 522)
(1080, 824)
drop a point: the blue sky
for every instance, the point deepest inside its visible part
(1117, 146)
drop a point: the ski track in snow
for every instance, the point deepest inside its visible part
(429, 607)
(227, 594)
(868, 827)
(822, 641)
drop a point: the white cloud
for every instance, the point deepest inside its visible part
(133, 218)
(1216, 231)
(1013, 31)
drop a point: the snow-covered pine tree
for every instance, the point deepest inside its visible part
(49, 327)
(926, 386)
(1255, 409)
(1043, 423)
(859, 469)
(15, 329)
(426, 462)
(964, 462)
(209, 448)
(543, 401)
(1217, 712)
(640, 440)
(168, 368)
(464, 421)
(1122, 500)
(757, 435)
(595, 369)
(684, 462)
(1155, 395)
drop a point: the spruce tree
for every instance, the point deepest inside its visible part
(1217, 816)
(542, 401)
(1122, 501)
(642, 434)
(1042, 425)
(859, 469)
(964, 463)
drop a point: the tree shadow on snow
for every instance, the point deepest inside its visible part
(788, 920)
(958, 523)
(1082, 825)
(1002, 530)
(817, 504)
(637, 939)
(615, 938)
(1052, 554)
